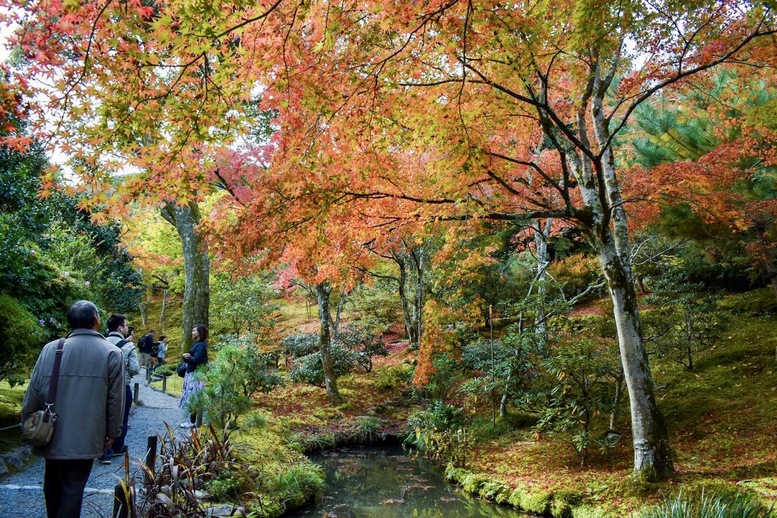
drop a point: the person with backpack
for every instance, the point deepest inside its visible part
(145, 347)
(120, 336)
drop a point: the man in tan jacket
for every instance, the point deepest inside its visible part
(89, 403)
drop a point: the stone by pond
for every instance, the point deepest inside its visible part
(383, 481)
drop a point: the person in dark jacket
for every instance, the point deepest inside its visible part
(89, 403)
(145, 346)
(197, 355)
(120, 335)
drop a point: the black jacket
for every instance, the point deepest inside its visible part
(198, 355)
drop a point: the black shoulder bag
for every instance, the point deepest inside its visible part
(38, 428)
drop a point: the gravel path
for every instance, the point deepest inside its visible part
(21, 494)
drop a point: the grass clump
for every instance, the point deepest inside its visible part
(739, 505)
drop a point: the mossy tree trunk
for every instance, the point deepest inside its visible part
(196, 297)
(323, 292)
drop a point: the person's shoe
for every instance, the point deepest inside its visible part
(106, 457)
(120, 453)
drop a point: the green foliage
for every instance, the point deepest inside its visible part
(445, 378)
(377, 305)
(191, 465)
(502, 368)
(715, 263)
(53, 252)
(105, 267)
(238, 372)
(495, 491)
(300, 344)
(439, 434)
(309, 369)
(22, 339)
(390, 377)
(166, 369)
(581, 388)
(739, 505)
(472, 483)
(363, 340)
(563, 503)
(368, 429)
(241, 306)
(684, 321)
(355, 345)
(535, 502)
(298, 483)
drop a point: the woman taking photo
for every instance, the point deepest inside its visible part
(197, 355)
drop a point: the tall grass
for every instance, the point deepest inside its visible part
(740, 505)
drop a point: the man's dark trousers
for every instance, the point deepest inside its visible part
(64, 481)
(118, 443)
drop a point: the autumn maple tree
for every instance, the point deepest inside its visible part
(710, 153)
(387, 116)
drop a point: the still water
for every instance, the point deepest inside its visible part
(380, 482)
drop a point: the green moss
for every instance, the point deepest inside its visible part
(563, 503)
(587, 511)
(536, 502)
(495, 491)
(765, 489)
(472, 483)
(456, 475)
(515, 497)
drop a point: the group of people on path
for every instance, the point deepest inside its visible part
(93, 400)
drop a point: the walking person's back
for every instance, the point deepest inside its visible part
(89, 402)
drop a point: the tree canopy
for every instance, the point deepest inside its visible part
(385, 118)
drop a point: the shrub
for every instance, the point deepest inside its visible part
(363, 341)
(190, 465)
(298, 482)
(309, 369)
(388, 378)
(580, 391)
(300, 344)
(22, 338)
(439, 434)
(238, 372)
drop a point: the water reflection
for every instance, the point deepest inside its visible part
(379, 482)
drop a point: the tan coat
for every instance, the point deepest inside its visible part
(90, 395)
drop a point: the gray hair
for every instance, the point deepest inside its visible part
(81, 315)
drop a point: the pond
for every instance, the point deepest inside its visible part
(383, 481)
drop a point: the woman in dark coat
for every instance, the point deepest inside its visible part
(197, 355)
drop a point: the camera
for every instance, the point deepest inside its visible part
(130, 330)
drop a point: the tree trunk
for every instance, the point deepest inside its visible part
(417, 256)
(323, 291)
(144, 308)
(196, 297)
(412, 308)
(769, 254)
(606, 222)
(541, 236)
(652, 455)
(164, 308)
(616, 400)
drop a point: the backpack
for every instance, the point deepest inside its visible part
(146, 343)
(120, 344)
